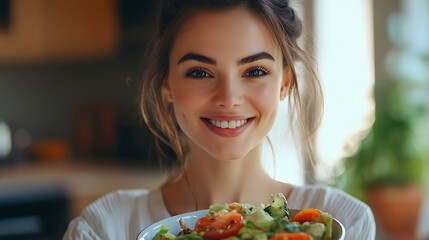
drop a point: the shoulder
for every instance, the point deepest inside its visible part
(116, 199)
(120, 201)
(320, 193)
(118, 214)
(356, 215)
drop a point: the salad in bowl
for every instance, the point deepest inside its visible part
(236, 221)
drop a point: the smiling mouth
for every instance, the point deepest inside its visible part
(227, 124)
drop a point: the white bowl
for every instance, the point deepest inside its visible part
(338, 230)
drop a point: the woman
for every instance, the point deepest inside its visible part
(217, 73)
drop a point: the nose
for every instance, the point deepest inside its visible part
(228, 93)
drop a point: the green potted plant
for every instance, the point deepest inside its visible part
(387, 170)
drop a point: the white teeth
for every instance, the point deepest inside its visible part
(228, 124)
(217, 124)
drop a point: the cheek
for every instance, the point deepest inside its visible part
(186, 100)
(267, 101)
(267, 97)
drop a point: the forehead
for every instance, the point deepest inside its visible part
(230, 33)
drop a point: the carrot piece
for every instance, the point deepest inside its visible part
(307, 215)
(291, 236)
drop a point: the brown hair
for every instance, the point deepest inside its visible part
(305, 96)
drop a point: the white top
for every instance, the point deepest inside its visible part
(124, 213)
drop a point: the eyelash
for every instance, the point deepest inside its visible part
(263, 71)
(191, 73)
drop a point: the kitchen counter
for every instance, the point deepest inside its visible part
(84, 182)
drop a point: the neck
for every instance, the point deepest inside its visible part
(219, 181)
(225, 180)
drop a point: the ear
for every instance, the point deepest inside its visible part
(287, 78)
(166, 90)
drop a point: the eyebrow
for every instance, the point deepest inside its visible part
(208, 60)
(197, 57)
(255, 57)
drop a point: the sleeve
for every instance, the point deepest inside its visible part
(117, 215)
(106, 218)
(79, 229)
(356, 216)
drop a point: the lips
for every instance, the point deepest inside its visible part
(227, 125)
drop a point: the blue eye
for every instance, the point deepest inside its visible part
(198, 73)
(256, 72)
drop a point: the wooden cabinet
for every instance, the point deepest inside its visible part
(44, 30)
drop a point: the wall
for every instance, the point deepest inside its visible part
(46, 94)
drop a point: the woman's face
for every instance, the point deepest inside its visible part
(225, 81)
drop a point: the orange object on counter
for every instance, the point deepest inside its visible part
(51, 150)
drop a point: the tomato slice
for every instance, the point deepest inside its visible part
(221, 226)
(307, 215)
(291, 236)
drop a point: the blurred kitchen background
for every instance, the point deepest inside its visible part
(70, 130)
